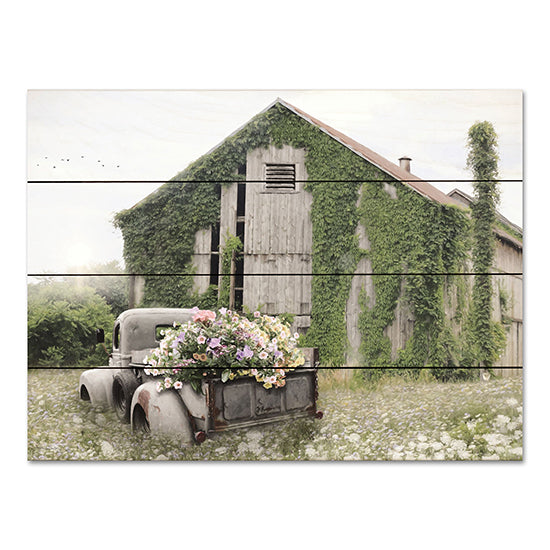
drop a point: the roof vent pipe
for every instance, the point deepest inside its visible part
(405, 164)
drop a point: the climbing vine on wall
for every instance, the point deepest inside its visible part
(423, 240)
(407, 234)
(232, 244)
(159, 232)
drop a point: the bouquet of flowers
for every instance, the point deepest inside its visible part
(225, 344)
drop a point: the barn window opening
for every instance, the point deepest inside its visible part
(239, 267)
(280, 177)
(241, 198)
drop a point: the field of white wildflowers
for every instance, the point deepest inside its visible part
(396, 420)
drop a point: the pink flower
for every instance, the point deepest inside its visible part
(204, 316)
(201, 340)
(257, 314)
(178, 385)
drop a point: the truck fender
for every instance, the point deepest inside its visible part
(161, 412)
(96, 386)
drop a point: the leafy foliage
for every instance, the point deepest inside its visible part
(487, 337)
(159, 232)
(408, 234)
(62, 320)
(232, 244)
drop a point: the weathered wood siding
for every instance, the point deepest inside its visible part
(278, 238)
(509, 259)
(359, 283)
(278, 252)
(201, 260)
(400, 330)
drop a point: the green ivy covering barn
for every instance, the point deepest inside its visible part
(370, 262)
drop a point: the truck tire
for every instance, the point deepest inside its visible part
(125, 384)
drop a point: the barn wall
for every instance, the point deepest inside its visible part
(509, 259)
(278, 238)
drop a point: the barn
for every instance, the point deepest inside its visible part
(290, 216)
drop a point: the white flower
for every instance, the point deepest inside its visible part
(178, 385)
(458, 444)
(502, 419)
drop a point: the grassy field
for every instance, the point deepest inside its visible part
(393, 420)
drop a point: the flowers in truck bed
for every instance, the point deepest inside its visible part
(225, 344)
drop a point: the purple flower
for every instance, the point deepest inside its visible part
(214, 343)
(179, 338)
(243, 354)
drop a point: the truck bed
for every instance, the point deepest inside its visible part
(244, 402)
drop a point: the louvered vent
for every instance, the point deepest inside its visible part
(280, 176)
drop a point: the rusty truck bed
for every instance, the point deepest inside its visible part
(244, 402)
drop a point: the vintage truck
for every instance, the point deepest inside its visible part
(193, 416)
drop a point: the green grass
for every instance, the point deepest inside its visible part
(394, 419)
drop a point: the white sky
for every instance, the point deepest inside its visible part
(152, 135)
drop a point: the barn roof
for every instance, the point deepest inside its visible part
(395, 171)
(467, 200)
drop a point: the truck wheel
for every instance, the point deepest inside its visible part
(124, 385)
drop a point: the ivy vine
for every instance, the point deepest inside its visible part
(407, 235)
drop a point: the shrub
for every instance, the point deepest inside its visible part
(62, 320)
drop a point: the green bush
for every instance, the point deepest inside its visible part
(62, 320)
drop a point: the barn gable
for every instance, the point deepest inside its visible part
(290, 187)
